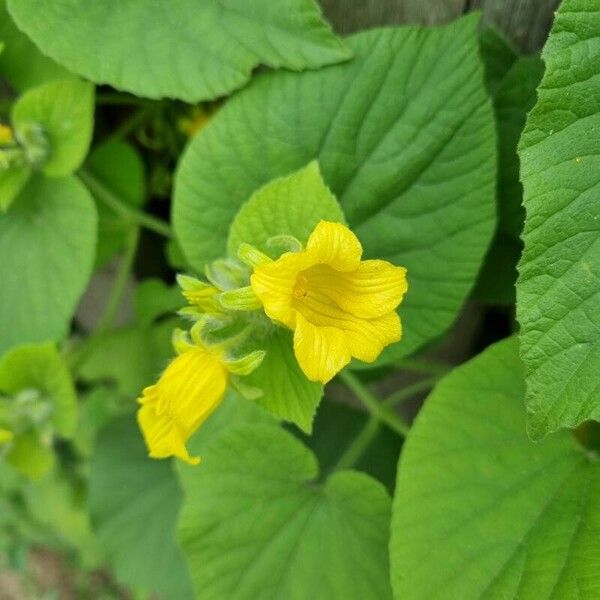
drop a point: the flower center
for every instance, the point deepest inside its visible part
(301, 286)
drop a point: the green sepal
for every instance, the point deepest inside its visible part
(252, 257)
(249, 392)
(226, 274)
(246, 364)
(240, 299)
(288, 243)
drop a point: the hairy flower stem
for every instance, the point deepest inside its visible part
(82, 353)
(369, 432)
(121, 208)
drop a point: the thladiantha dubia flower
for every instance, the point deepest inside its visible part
(189, 390)
(6, 135)
(338, 305)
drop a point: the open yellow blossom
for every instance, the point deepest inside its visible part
(338, 305)
(187, 392)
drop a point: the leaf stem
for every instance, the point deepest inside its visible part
(82, 353)
(378, 410)
(409, 391)
(120, 207)
(372, 427)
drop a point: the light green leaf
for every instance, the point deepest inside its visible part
(154, 298)
(558, 291)
(481, 512)
(291, 205)
(97, 408)
(41, 367)
(12, 181)
(187, 50)
(255, 525)
(64, 110)
(404, 136)
(131, 357)
(31, 456)
(287, 393)
(21, 63)
(47, 242)
(133, 502)
(58, 504)
(119, 168)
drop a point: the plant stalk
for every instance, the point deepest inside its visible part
(122, 208)
(372, 427)
(82, 353)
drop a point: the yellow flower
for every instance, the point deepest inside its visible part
(197, 120)
(190, 388)
(188, 391)
(5, 436)
(338, 306)
(199, 294)
(6, 135)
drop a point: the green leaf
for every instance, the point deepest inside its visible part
(255, 525)
(12, 181)
(154, 298)
(558, 291)
(30, 455)
(47, 242)
(497, 278)
(515, 96)
(186, 50)
(131, 357)
(291, 205)
(404, 136)
(119, 168)
(58, 503)
(64, 110)
(335, 428)
(481, 511)
(133, 502)
(287, 393)
(21, 63)
(41, 367)
(498, 56)
(97, 408)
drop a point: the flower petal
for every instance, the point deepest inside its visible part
(371, 291)
(190, 388)
(161, 435)
(366, 338)
(335, 245)
(368, 343)
(321, 352)
(274, 285)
